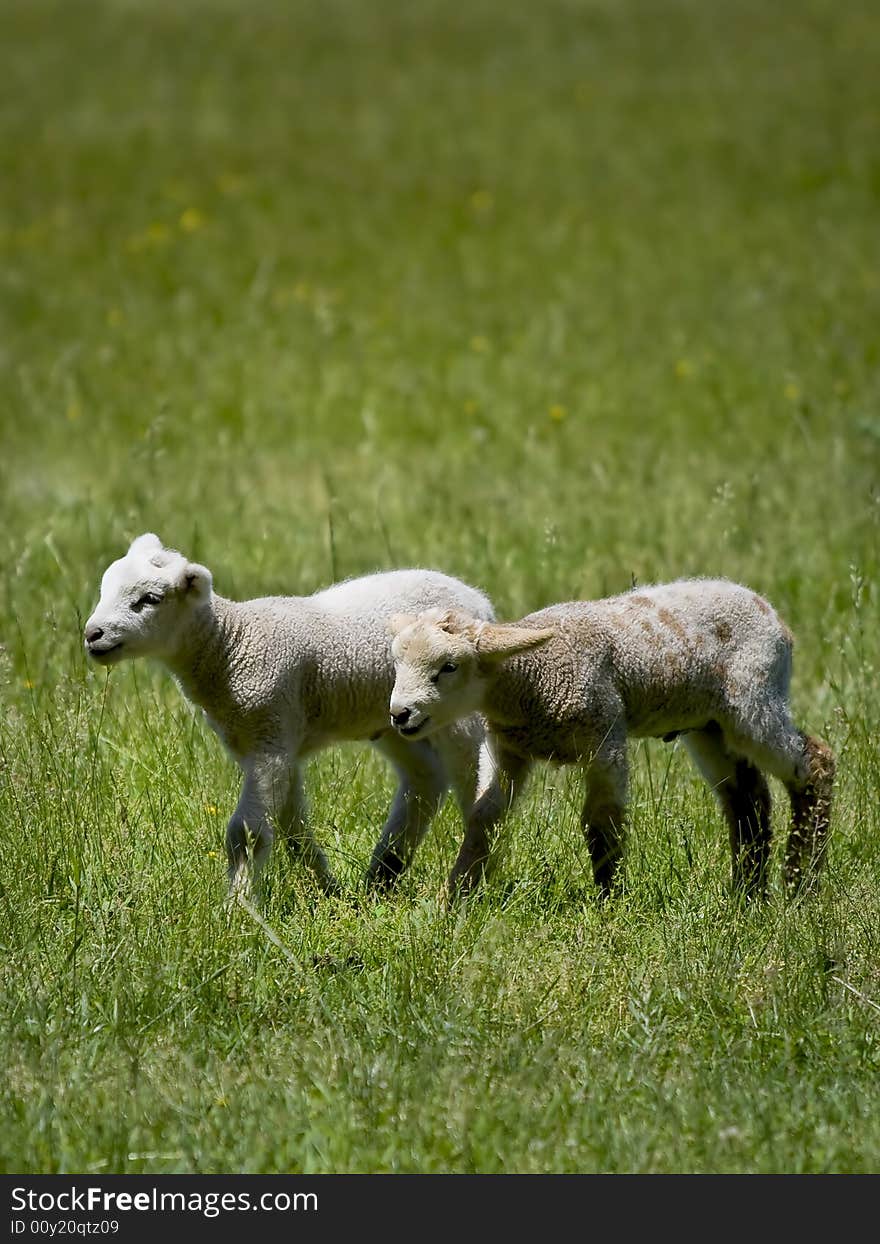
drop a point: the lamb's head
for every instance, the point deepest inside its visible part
(442, 661)
(147, 598)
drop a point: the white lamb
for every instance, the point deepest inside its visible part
(283, 676)
(707, 659)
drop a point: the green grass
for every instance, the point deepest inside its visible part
(553, 297)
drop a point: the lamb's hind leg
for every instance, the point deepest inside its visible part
(423, 783)
(805, 765)
(301, 844)
(604, 812)
(810, 815)
(744, 798)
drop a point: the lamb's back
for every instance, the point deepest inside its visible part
(676, 653)
(333, 649)
(401, 591)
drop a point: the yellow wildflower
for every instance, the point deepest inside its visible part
(191, 220)
(481, 201)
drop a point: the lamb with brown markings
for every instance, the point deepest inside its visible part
(706, 659)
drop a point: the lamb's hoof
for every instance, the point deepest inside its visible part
(461, 887)
(384, 871)
(241, 892)
(241, 899)
(343, 897)
(799, 885)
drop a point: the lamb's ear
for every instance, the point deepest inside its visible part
(497, 642)
(196, 581)
(400, 621)
(149, 542)
(455, 621)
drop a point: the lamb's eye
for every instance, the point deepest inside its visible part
(148, 598)
(448, 668)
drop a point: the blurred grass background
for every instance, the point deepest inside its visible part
(551, 297)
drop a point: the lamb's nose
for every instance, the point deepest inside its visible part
(401, 718)
(93, 634)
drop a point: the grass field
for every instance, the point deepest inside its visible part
(553, 297)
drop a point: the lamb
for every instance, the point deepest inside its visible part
(279, 678)
(706, 659)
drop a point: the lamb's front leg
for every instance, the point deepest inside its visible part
(501, 777)
(250, 818)
(272, 797)
(419, 795)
